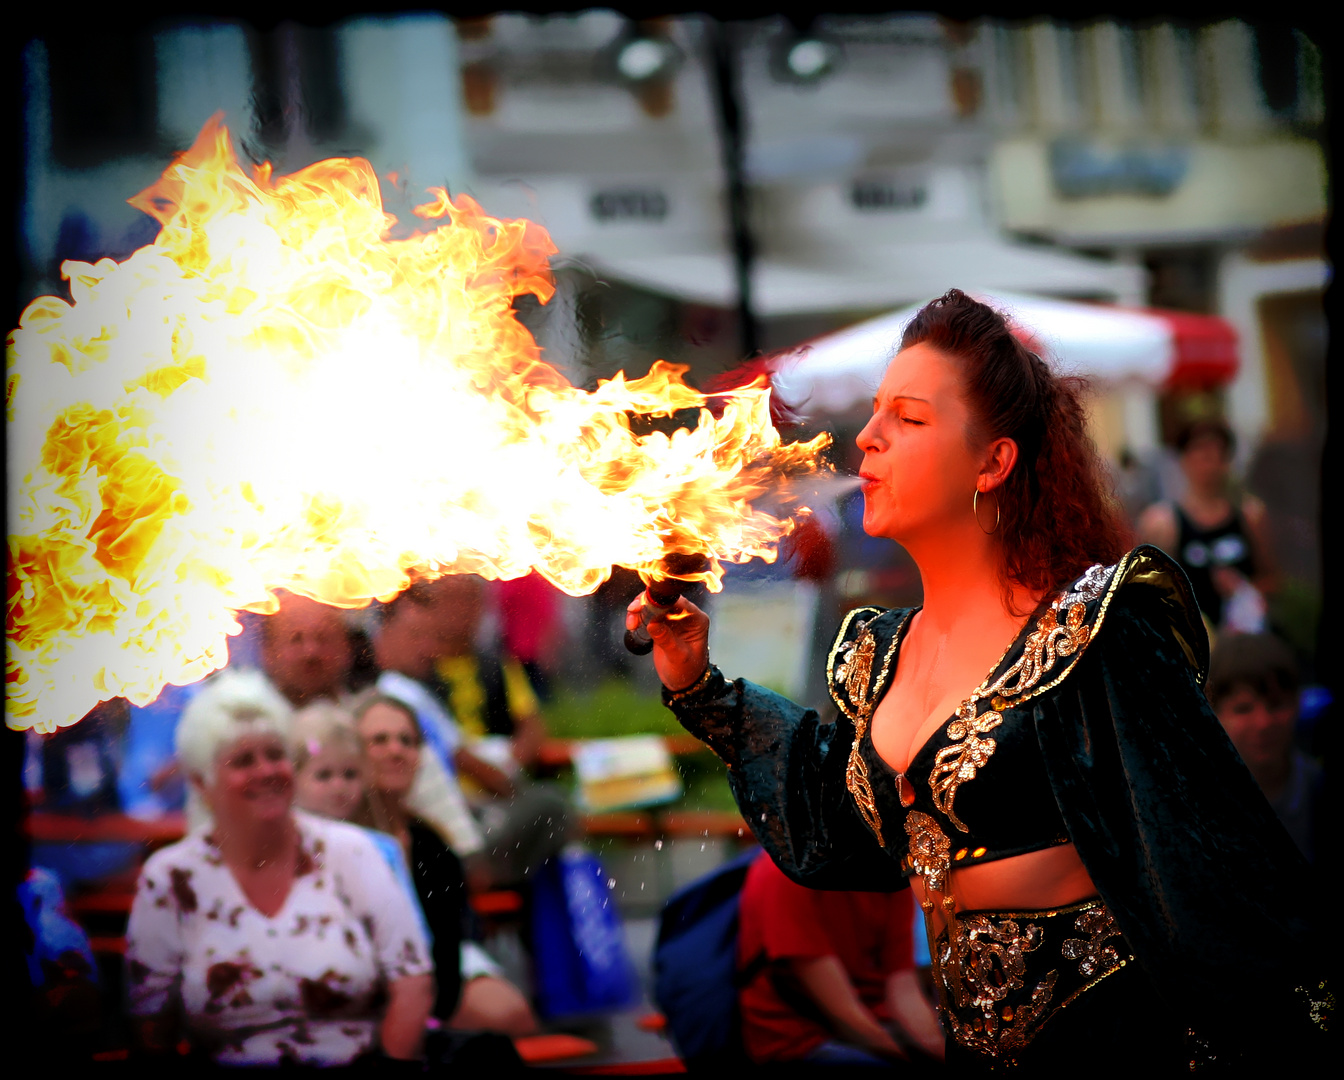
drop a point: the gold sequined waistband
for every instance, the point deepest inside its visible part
(1002, 975)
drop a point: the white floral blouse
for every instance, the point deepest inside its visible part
(304, 985)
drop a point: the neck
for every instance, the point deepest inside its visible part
(962, 578)
(258, 845)
(299, 698)
(1207, 498)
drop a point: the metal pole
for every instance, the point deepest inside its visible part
(732, 128)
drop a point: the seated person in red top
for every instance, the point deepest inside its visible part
(835, 982)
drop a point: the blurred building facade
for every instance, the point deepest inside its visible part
(886, 158)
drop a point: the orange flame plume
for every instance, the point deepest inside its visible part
(276, 394)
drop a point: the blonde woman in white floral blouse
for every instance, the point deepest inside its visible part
(270, 935)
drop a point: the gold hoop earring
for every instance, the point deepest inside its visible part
(975, 509)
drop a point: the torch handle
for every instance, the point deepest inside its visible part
(659, 598)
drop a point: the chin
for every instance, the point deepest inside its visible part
(881, 527)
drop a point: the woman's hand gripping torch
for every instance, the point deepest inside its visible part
(660, 597)
(660, 616)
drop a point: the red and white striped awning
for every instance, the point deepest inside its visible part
(1163, 349)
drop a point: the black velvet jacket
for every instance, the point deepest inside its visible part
(1093, 729)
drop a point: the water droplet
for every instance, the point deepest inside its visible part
(657, 845)
(611, 883)
(702, 847)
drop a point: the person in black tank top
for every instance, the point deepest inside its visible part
(1219, 558)
(1201, 551)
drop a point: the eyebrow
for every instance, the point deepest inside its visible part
(877, 399)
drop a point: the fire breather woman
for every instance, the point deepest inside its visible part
(1030, 750)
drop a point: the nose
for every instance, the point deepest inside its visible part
(269, 769)
(868, 438)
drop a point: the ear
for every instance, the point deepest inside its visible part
(999, 461)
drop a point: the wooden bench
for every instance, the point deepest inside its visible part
(656, 824)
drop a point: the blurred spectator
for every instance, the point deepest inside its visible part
(405, 645)
(307, 653)
(500, 722)
(74, 771)
(61, 969)
(490, 695)
(530, 627)
(1220, 541)
(522, 822)
(831, 975)
(391, 741)
(149, 781)
(79, 762)
(306, 650)
(329, 766)
(270, 936)
(1253, 687)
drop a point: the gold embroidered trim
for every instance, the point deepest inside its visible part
(856, 779)
(1093, 955)
(1320, 1003)
(835, 676)
(1047, 642)
(929, 850)
(984, 961)
(958, 763)
(1121, 569)
(856, 673)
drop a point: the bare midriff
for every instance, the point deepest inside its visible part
(1037, 881)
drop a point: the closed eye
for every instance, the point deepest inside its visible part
(912, 420)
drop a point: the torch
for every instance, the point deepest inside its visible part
(661, 597)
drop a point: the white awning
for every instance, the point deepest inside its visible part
(872, 278)
(839, 372)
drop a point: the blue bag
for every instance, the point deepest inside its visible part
(695, 976)
(582, 965)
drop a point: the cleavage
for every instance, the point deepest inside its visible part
(885, 721)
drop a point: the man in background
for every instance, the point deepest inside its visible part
(1253, 687)
(305, 651)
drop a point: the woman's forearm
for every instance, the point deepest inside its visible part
(409, 1003)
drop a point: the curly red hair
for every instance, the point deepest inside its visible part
(1058, 514)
